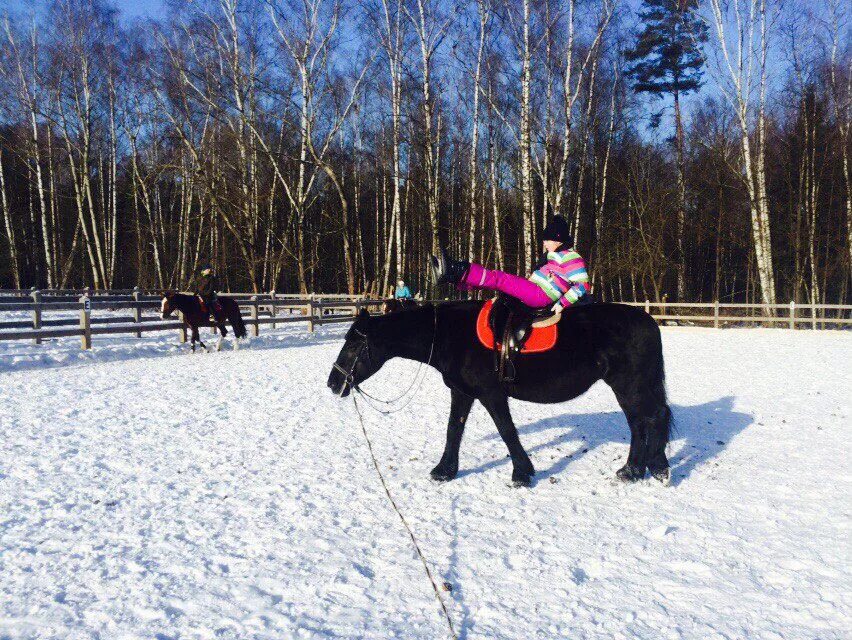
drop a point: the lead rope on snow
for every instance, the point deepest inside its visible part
(405, 523)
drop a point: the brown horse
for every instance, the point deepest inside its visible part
(194, 316)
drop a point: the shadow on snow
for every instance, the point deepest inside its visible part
(700, 433)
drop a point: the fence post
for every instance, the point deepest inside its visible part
(647, 306)
(716, 314)
(792, 314)
(310, 313)
(182, 330)
(36, 296)
(137, 310)
(272, 307)
(86, 321)
(255, 327)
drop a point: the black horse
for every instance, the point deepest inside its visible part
(615, 343)
(195, 316)
(398, 304)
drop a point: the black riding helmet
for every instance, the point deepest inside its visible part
(557, 229)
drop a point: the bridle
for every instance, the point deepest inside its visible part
(349, 376)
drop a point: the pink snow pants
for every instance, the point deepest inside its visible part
(478, 277)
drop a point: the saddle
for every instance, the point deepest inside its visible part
(206, 309)
(508, 327)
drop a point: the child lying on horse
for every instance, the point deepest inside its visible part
(560, 280)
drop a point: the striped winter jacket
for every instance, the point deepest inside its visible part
(563, 277)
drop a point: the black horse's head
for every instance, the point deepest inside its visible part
(359, 358)
(168, 305)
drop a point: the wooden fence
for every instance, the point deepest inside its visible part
(278, 308)
(258, 309)
(728, 314)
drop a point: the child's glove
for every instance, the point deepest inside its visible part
(558, 307)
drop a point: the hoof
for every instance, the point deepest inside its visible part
(662, 475)
(522, 479)
(629, 473)
(439, 474)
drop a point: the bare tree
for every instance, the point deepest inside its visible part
(744, 61)
(841, 101)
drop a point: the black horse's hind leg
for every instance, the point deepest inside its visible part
(658, 438)
(498, 408)
(448, 467)
(636, 464)
(648, 417)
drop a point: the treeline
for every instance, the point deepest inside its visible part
(332, 145)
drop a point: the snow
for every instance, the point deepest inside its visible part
(145, 493)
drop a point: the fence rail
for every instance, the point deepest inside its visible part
(313, 309)
(819, 316)
(258, 309)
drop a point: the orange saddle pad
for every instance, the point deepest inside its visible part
(540, 340)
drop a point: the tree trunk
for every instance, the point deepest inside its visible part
(680, 262)
(10, 229)
(526, 137)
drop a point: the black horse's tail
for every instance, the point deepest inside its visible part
(237, 322)
(663, 419)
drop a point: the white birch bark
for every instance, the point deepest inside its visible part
(28, 92)
(525, 142)
(391, 34)
(841, 97)
(751, 34)
(484, 12)
(431, 29)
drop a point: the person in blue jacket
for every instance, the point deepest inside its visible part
(402, 291)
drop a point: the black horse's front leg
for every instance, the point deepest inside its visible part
(448, 467)
(523, 470)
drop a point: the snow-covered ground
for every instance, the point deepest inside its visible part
(145, 493)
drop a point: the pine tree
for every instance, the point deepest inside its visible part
(667, 61)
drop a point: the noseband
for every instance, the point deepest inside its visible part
(349, 376)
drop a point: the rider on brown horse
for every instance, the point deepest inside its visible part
(205, 287)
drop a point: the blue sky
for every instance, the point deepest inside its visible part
(129, 8)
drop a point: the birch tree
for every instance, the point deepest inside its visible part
(26, 69)
(743, 71)
(390, 28)
(841, 101)
(431, 27)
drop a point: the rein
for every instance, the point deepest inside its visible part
(349, 376)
